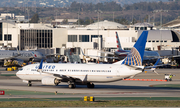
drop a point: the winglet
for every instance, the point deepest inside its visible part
(40, 66)
(157, 62)
(135, 56)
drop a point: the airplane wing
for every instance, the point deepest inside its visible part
(55, 73)
(152, 68)
(172, 56)
(10, 57)
(134, 67)
(122, 53)
(107, 52)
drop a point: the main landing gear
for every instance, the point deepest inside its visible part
(71, 84)
(90, 85)
(56, 82)
(29, 84)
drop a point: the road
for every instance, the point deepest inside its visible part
(113, 89)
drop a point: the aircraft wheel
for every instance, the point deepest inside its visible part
(56, 84)
(90, 85)
(56, 81)
(29, 84)
(72, 85)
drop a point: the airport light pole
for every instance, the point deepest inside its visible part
(99, 41)
(78, 18)
(113, 16)
(161, 11)
(7, 28)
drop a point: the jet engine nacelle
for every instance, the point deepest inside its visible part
(50, 81)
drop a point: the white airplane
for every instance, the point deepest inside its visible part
(21, 55)
(86, 74)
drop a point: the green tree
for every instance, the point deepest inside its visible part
(65, 21)
(34, 19)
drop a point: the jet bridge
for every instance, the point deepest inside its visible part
(73, 55)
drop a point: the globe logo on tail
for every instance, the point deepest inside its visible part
(133, 58)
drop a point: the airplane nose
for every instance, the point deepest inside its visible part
(17, 74)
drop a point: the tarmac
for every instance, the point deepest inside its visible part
(130, 90)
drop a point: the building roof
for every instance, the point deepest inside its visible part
(69, 20)
(106, 25)
(173, 23)
(158, 35)
(145, 24)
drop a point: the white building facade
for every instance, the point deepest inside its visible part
(89, 38)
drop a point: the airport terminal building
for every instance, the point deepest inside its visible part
(90, 38)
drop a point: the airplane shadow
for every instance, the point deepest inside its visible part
(116, 87)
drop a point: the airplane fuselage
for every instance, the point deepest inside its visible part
(85, 72)
(23, 55)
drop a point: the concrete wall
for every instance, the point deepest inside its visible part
(59, 37)
(14, 33)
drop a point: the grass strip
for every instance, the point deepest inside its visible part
(121, 103)
(7, 74)
(96, 98)
(19, 92)
(167, 85)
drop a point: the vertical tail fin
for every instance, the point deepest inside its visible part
(118, 42)
(135, 56)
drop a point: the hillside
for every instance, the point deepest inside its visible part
(63, 3)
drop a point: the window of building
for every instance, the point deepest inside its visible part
(7, 37)
(0, 31)
(36, 38)
(83, 38)
(72, 38)
(127, 48)
(136, 28)
(96, 36)
(147, 49)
